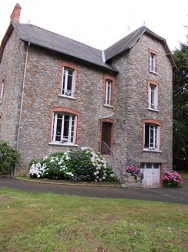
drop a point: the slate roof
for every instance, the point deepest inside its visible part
(129, 41)
(46, 39)
(61, 44)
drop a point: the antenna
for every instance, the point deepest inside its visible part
(129, 29)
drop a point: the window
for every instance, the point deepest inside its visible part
(64, 128)
(153, 97)
(151, 136)
(108, 91)
(152, 61)
(68, 82)
(1, 89)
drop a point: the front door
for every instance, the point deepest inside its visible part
(106, 138)
(151, 174)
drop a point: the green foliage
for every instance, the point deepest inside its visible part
(76, 165)
(8, 158)
(180, 99)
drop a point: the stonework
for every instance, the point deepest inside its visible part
(41, 96)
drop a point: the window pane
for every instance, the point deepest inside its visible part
(151, 136)
(146, 136)
(156, 166)
(58, 128)
(66, 127)
(148, 166)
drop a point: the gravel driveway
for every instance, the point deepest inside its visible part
(174, 195)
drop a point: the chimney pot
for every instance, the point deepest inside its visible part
(15, 16)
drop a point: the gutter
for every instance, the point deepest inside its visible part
(21, 104)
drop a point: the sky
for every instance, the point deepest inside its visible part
(101, 23)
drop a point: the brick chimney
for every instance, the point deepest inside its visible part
(15, 16)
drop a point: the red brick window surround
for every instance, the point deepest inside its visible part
(108, 90)
(64, 126)
(152, 95)
(67, 79)
(153, 61)
(151, 135)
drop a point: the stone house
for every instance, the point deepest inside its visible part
(57, 93)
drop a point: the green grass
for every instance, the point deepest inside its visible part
(184, 174)
(49, 223)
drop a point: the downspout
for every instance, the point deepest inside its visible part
(21, 104)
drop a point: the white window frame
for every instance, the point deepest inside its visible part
(154, 137)
(64, 87)
(153, 65)
(153, 97)
(71, 138)
(108, 92)
(1, 89)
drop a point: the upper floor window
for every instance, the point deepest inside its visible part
(64, 128)
(152, 61)
(152, 96)
(1, 89)
(108, 92)
(68, 82)
(151, 136)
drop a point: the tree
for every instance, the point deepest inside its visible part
(180, 99)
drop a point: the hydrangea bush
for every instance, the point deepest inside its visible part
(76, 165)
(133, 170)
(172, 179)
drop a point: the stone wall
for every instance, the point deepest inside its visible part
(11, 69)
(133, 99)
(41, 96)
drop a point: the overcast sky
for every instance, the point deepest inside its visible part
(101, 23)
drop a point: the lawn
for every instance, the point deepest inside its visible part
(49, 223)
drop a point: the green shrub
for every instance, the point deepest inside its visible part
(75, 165)
(8, 158)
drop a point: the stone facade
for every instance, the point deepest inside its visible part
(39, 71)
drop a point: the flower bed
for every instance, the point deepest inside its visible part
(79, 165)
(172, 179)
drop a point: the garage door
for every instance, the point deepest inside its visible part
(151, 174)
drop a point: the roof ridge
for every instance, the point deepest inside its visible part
(126, 37)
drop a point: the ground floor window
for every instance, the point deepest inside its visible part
(64, 128)
(152, 136)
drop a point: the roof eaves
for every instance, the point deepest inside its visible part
(5, 39)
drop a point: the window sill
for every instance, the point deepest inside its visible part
(152, 72)
(154, 110)
(63, 144)
(108, 106)
(151, 150)
(66, 97)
